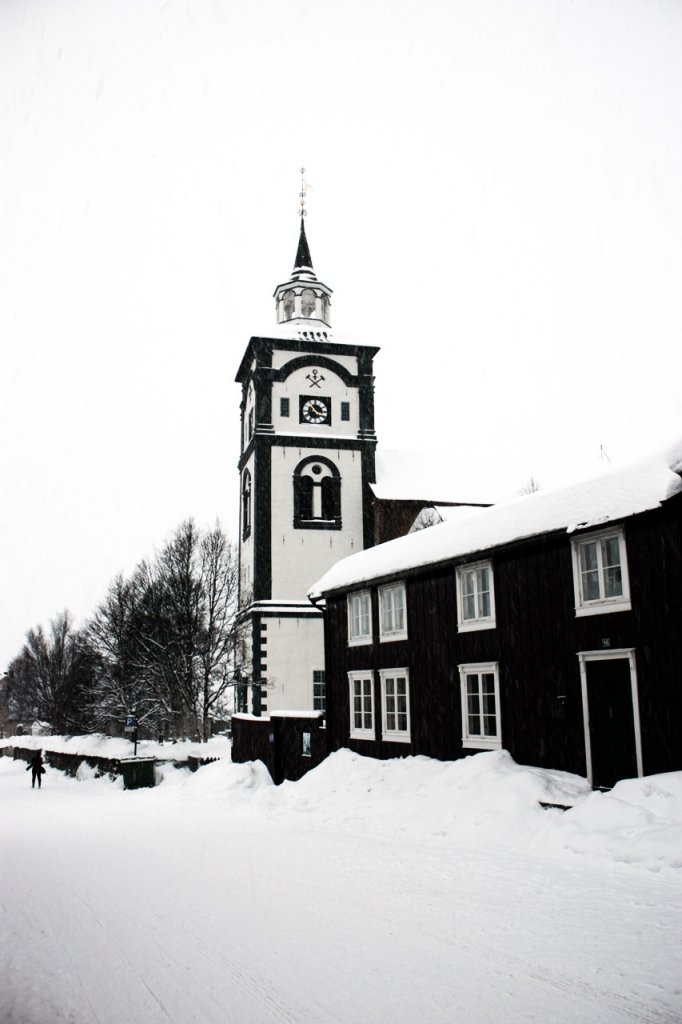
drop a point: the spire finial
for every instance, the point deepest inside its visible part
(302, 194)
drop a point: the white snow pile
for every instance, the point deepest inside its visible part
(612, 495)
(99, 745)
(485, 802)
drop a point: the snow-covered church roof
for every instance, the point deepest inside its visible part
(612, 495)
(431, 477)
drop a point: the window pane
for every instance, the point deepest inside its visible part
(387, 611)
(588, 557)
(489, 725)
(354, 617)
(610, 551)
(399, 608)
(367, 703)
(613, 582)
(402, 705)
(473, 706)
(364, 628)
(613, 579)
(589, 572)
(484, 604)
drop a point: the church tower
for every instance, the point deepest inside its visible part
(307, 460)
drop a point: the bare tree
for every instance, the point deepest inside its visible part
(222, 625)
(51, 677)
(124, 683)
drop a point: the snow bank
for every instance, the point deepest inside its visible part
(486, 803)
(612, 495)
(482, 802)
(99, 745)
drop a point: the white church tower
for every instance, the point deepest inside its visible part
(307, 460)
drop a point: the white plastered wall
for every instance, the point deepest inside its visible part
(332, 387)
(299, 557)
(295, 649)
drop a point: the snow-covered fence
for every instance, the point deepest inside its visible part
(69, 763)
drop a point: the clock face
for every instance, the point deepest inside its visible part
(315, 410)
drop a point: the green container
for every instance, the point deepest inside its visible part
(138, 772)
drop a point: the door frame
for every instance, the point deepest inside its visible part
(610, 655)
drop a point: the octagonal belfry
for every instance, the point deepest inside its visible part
(303, 298)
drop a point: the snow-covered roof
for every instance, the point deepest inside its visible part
(612, 495)
(430, 477)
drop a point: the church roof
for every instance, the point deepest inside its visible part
(303, 258)
(432, 477)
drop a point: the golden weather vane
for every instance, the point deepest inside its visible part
(302, 194)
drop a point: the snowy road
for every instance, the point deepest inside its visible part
(173, 905)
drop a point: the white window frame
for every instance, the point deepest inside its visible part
(357, 641)
(394, 735)
(483, 621)
(361, 734)
(606, 604)
(480, 742)
(395, 634)
(604, 655)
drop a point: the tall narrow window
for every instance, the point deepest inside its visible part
(345, 411)
(475, 597)
(361, 705)
(479, 685)
(359, 618)
(246, 505)
(600, 573)
(250, 431)
(392, 610)
(319, 695)
(395, 700)
(317, 495)
(284, 406)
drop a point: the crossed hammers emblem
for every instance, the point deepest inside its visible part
(315, 378)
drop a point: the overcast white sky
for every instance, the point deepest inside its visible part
(496, 202)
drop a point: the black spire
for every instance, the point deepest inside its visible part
(303, 253)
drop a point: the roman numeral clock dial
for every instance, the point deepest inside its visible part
(315, 410)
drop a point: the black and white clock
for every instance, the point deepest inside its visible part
(315, 410)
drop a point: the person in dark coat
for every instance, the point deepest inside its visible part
(36, 766)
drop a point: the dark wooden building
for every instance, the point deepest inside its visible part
(550, 626)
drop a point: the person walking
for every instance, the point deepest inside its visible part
(36, 766)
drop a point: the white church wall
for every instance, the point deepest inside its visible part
(332, 387)
(297, 554)
(282, 356)
(295, 651)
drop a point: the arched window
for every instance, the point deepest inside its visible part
(289, 304)
(317, 495)
(308, 302)
(246, 505)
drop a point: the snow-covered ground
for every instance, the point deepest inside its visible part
(367, 893)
